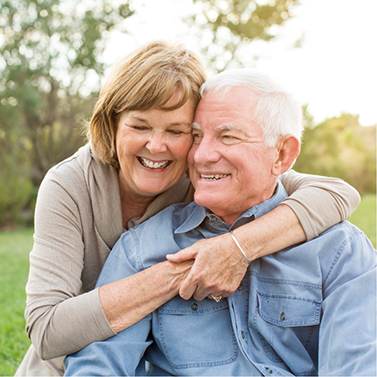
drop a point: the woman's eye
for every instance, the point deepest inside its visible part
(175, 132)
(139, 128)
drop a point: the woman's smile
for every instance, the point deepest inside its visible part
(151, 164)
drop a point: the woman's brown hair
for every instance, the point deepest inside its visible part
(144, 80)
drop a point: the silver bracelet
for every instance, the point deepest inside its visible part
(238, 245)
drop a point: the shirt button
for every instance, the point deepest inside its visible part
(268, 370)
(194, 306)
(242, 335)
(212, 218)
(282, 316)
(240, 287)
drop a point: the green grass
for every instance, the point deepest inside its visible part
(14, 266)
(365, 217)
(14, 256)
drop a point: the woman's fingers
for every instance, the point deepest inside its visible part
(219, 268)
(183, 255)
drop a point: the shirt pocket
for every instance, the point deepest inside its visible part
(287, 329)
(196, 334)
(288, 310)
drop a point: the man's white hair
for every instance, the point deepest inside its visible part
(277, 112)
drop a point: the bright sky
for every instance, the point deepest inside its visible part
(334, 71)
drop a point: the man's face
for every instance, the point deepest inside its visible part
(230, 166)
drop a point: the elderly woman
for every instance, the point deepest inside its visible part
(133, 167)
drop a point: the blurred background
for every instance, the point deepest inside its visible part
(54, 55)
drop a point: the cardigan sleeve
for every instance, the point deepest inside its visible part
(319, 202)
(60, 318)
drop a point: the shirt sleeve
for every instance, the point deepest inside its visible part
(60, 320)
(347, 337)
(319, 202)
(121, 355)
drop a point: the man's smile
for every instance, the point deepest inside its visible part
(213, 177)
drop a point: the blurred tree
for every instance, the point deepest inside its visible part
(49, 73)
(341, 147)
(228, 25)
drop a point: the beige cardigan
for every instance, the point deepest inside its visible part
(78, 219)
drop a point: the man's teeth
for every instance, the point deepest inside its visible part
(213, 177)
(153, 165)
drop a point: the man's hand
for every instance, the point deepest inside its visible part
(219, 268)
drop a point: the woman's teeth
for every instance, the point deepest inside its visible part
(213, 177)
(153, 165)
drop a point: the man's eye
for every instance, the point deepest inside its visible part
(229, 139)
(197, 137)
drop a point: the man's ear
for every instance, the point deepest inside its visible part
(287, 148)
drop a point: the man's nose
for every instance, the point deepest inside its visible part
(206, 152)
(157, 143)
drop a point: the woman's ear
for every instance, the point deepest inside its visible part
(287, 148)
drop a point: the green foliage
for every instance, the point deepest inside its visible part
(50, 63)
(15, 193)
(50, 71)
(228, 25)
(341, 147)
(14, 255)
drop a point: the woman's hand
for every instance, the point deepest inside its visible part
(219, 268)
(219, 265)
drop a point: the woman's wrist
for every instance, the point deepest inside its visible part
(127, 301)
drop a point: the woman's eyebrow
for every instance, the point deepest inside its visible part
(184, 123)
(139, 118)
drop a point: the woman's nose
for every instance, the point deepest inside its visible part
(157, 143)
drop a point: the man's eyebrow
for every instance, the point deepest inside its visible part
(221, 128)
(227, 127)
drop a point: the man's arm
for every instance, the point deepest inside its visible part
(347, 337)
(121, 355)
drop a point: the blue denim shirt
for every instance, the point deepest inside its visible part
(306, 310)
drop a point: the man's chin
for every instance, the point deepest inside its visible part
(207, 200)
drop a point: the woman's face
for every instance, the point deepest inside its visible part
(152, 148)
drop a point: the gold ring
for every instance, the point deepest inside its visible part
(217, 298)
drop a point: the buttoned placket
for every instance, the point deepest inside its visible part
(238, 307)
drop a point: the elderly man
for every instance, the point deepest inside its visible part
(306, 310)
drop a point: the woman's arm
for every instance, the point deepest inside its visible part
(66, 261)
(316, 203)
(127, 301)
(319, 202)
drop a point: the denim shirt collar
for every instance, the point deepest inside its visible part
(200, 214)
